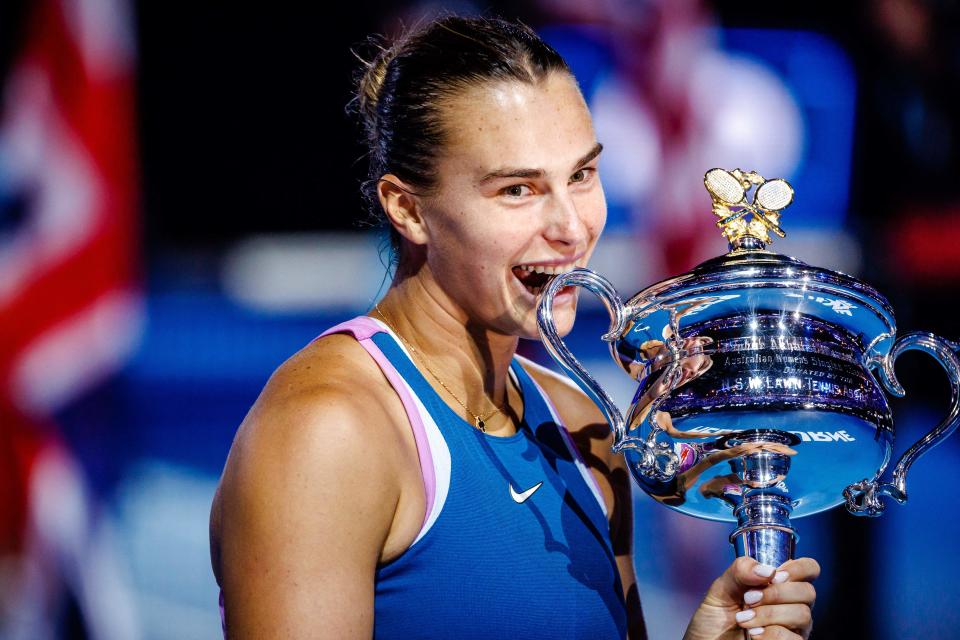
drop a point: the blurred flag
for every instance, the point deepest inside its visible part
(70, 309)
(69, 306)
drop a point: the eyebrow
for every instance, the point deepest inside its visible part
(538, 173)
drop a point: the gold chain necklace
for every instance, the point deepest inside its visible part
(479, 421)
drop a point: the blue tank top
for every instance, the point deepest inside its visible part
(516, 543)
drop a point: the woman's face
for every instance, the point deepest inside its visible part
(518, 197)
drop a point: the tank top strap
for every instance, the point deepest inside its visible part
(449, 420)
(539, 409)
(361, 328)
(402, 360)
(365, 330)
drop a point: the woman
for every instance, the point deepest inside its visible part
(406, 475)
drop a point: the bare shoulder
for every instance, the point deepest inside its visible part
(326, 398)
(310, 489)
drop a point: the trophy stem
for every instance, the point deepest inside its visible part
(765, 533)
(763, 504)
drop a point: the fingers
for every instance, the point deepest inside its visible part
(790, 616)
(802, 569)
(785, 605)
(743, 575)
(773, 633)
(801, 593)
(747, 572)
(746, 581)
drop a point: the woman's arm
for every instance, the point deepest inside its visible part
(305, 505)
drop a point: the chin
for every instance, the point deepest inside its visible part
(563, 317)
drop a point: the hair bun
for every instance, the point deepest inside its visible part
(370, 84)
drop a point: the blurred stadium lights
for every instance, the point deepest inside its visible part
(337, 273)
(304, 272)
(775, 101)
(821, 80)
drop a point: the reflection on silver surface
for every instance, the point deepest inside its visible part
(760, 386)
(863, 498)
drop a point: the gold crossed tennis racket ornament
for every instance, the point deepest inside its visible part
(731, 191)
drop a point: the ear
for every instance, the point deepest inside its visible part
(402, 206)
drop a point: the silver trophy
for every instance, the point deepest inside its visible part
(761, 380)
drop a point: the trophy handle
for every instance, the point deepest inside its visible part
(864, 497)
(603, 289)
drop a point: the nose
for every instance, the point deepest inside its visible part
(565, 224)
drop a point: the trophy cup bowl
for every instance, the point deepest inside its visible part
(761, 380)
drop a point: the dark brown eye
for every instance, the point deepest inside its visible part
(583, 175)
(515, 190)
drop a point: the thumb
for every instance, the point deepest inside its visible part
(741, 576)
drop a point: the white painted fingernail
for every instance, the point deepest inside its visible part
(755, 631)
(743, 616)
(780, 577)
(764, 570)
(752, 597)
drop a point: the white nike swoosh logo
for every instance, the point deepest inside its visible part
(520, 498)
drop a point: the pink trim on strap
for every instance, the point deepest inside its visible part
(363, 328)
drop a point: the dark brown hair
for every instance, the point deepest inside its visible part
(400, 92)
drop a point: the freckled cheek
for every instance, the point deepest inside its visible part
(456, 238)
(599, 224)
(595, 214)
(478, 246)
(473, 257)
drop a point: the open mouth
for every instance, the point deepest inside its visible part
(535, 277)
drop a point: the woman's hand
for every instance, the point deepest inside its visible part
(766, 602)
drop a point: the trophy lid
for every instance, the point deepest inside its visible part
(752, 279)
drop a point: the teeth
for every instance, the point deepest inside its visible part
(549, 270)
